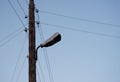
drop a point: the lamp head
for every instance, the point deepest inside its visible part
(52, 40)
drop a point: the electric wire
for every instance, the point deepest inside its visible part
(26, 2)
(42, 74)
(84, 31)
(26, 16)
(38, 22)
(38, 75)
(21, 7)
(16, 12)
(21, 69)
(41, 40)
(18, 59)
(48, 65)
(47, 61)
(75, 18)
(7, 40)
(12, 33)
(45, 52)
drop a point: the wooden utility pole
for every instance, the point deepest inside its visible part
(32, 43)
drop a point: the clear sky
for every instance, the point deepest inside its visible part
(88, 52)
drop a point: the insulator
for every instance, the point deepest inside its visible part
(37, 10)
(26, 16)
(25, 29)
(37, 22)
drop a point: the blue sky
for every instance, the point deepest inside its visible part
(81, 56)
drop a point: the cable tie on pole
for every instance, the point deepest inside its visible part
(26, 16)
(37, 10)
(38, 22)
(26, 29)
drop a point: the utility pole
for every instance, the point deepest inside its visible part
(32, 43)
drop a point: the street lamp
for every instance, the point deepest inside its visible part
(49, 42)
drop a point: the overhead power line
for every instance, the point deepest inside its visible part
(26, 2)
(21, 7)
(81, 19)
(16, 12)
(44, 50)
(11, 37)
(48, 65)
(11, 34)
(41, 71)
(46, 56)
(18, 59)
(18, 76)
(73, 29)
(38, 75)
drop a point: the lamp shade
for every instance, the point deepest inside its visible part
(52, 40)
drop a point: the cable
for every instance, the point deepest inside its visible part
(45, 52)
(75, 18)
(48, 65)
(38, 75)
(20, 70)
(68, 28)
(15, 69)
(38, 22)
(21, 7)
(7, 40)
(16, 12)
(47, 62)
(46, 59)
(41, 71)
(26, 2)
(22, 10)
(12, 33)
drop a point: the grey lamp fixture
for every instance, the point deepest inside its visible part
(50, 41)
